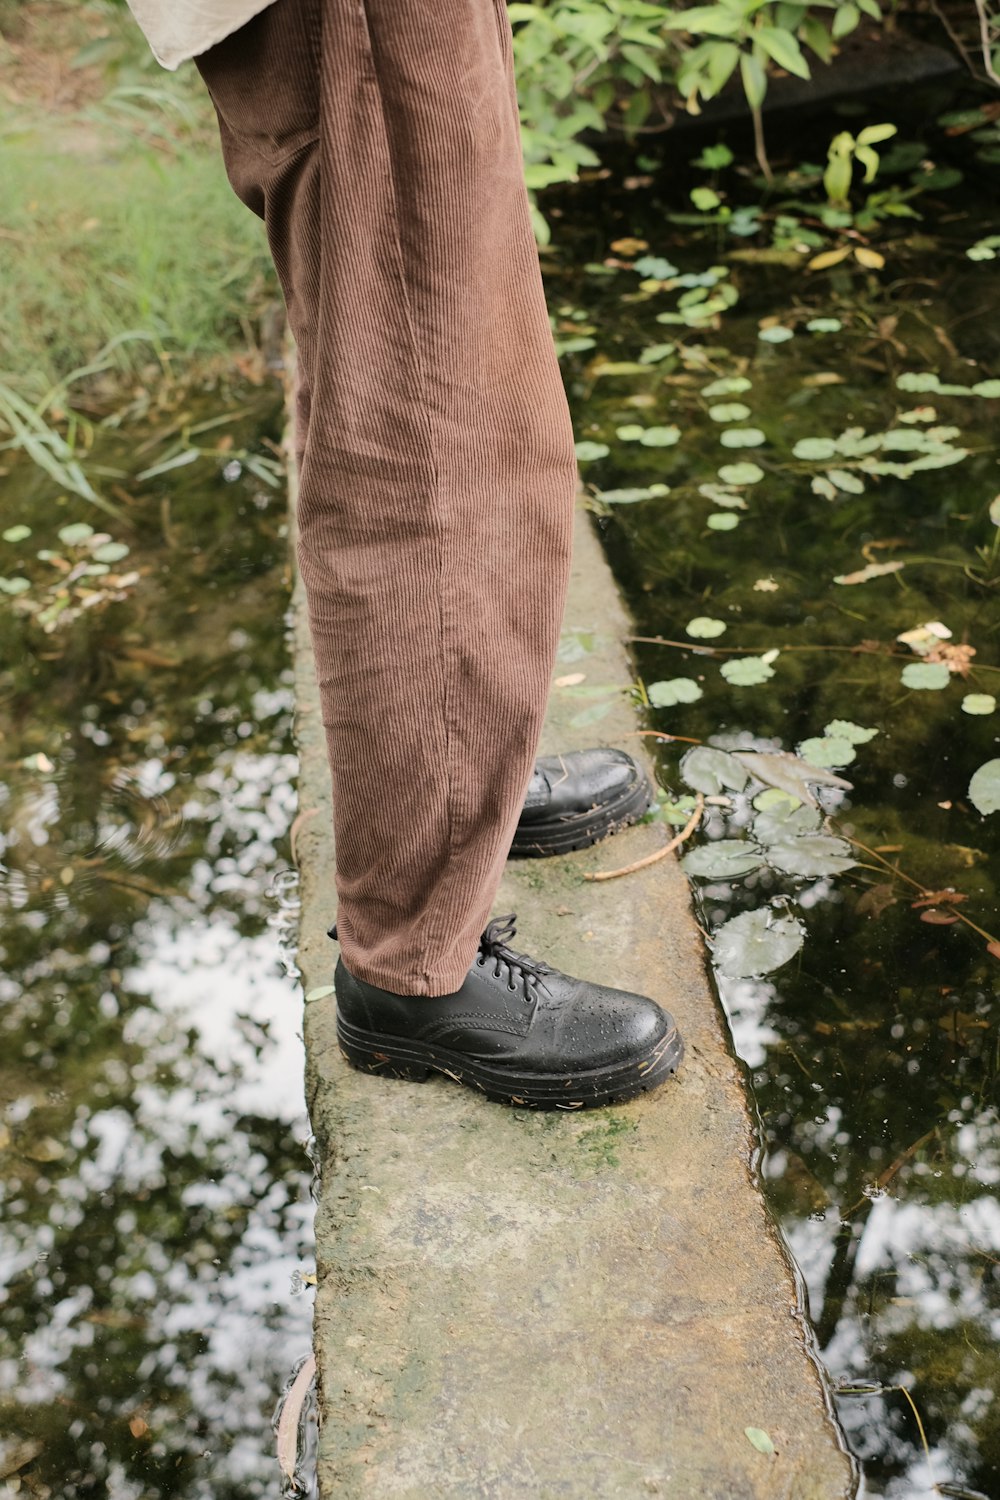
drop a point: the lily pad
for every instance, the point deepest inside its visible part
(75, 534)
(926, 676)
(844, 480)
(14, 586)
(587, 452)
(776, 335)
(755, 943)
(728, 385)
(722, 520)
(724, 859)
(978, 703)
(828, 751)
(784, 820)
(634, 495)
(742, 473)
(984, 788)
(17, 533)
(630, 432)
(818, 447)
(810, 854)
(660, 437)
(708, 771)
(747, 671)
(824, 325)
(722, 496)
(729, 411)
(742, 437)
(844, 729)
(111, 552)
(674, 690)
(704, 627)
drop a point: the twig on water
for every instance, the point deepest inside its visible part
(658, 854)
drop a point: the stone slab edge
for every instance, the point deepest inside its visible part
(587, 1305)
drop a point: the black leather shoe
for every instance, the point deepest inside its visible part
(578, 798)
(521, 1032)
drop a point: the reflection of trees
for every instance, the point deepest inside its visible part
(153, 1189)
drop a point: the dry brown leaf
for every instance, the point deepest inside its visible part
(873, 570)
(938, 918)
(939, 898)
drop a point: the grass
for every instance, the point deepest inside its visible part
(116, 214)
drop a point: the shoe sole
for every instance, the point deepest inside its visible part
(581, 830)
(400, 1057)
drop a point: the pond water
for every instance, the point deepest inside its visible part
(755, 469)
(154, 1182)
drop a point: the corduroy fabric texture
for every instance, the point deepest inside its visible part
(378, 140)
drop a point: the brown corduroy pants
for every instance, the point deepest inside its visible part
(378, 140)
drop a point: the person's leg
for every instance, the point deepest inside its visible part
(379, 142)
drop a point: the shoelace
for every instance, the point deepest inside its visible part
(494, 945)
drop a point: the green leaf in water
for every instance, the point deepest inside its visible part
(654, 353)
(742, 437)
(673, 690)
(587, 452)
(747, 671)
(815, 448)
(917, 381)
(756, 942)
(708, 771)
(827, 752)
(110, 552)
(926, 676)
(660, 437)
(824, 325)
(722, 520)
(810, 854)
(784, 820)
(844, 729)
(704, 199)
(632, 496)
(75, 534)
(984, 788)
(760, 1439)
(994, 510)
(776, 335)
(656, 268)
(978, 703)
(821, 486)
(742, 473)
(17, 533)
(720, 496)
(630, 433)
(729, 411)
(14, 586)
(989, 389)
(705, 627)
(727, 385)
(846, 481)
(724, 859)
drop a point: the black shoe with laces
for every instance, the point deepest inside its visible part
(579, 797)
(523, 1033)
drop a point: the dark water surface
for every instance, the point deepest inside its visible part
(874, 1051)
(154, 1198)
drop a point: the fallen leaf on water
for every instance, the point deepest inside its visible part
(788, 773)
(760, 1439)
(291, 1411)
(572, 679)
(873, 570)
(938, 918)
(137, 1427)
(629, 246)
(875, 900)
(939, 898)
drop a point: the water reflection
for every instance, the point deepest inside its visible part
(154, 1183)
(873, 1053)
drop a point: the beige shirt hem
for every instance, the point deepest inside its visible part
(179, 29)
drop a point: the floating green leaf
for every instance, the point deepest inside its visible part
(110, 552)
(75, 534)
(655, 267)
(824, 325)
(810, 854)
(632, 496)
(724, 859)
(587, 452)
(721, 520)
(984, 788)
(708, 771)
(827, 752)
(756, 942)
(729, 411)
(978, 703)
(660, 437)
(631, 432)
(722, 496)
(776, 335)
(669, 693)
(705, 627)
(784, 820)
(926, 676)
(815, 448)
(846, 481)
(760, 1439)
(844, 729)
(654, 353)
(747, 671)
(17, 533)
(742, 437)
(14, 586)
(741, 473)
(728, 385)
